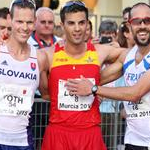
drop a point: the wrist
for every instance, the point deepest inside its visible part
(94, 89)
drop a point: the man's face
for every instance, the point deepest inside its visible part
(141, 29)
(129, 37)
(75, 27)
(109, 34)
(45, 23)
(22, 24)
(5, 28)
(126, 17)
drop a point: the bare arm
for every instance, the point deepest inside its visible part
(132, 93)
(114, 70)
(108, 54)
(44, 75)
(43, 66)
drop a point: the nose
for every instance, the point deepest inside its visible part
(46, 23)
(143, 24)
(77, 27)
(25, 26)
(6, 31)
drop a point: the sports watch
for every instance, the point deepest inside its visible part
(94, 89)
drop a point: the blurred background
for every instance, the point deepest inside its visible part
(99, 9)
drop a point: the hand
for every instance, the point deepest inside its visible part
(80, 86)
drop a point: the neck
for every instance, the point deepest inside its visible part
(16, 47)
(144, 49)
(75, 50)
(45, 38)
(129, 44)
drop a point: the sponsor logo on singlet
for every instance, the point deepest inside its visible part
(18, 74)
(61, 60)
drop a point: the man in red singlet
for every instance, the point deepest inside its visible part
(74, 120)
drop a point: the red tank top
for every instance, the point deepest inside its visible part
(72, 110)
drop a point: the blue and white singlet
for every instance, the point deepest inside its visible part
(138, 114)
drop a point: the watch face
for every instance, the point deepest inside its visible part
(94, 89)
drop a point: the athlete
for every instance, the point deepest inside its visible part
(22, 69)
(136, 71)
(74, 121)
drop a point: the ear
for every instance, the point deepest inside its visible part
(126, 34)
(62, 25)
(8, 18)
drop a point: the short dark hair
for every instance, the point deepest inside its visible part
(126, 10)
(73, 7)
(108, 26)
(90, 23)
(4, 12)
(21, 4)
(136, 5)
(123, 28)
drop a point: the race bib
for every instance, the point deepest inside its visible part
(15, 100)
(67, 101)
(141, 109)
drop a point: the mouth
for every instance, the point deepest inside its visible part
(143, 34)
(24, 35)
(77, 36)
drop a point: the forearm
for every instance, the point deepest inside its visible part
(84, 87)
(111, 73)
(109, 79)
(121, 93)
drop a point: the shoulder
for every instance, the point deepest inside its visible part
(108, 52)
(123, 55)
(106, 48)
(47, 54)
(41, 55)
(42, 60)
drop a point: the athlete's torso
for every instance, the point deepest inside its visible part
(72, 110)
(18, 82)
(138, 114)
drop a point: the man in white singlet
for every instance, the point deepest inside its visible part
(22, 69)
(136, 65)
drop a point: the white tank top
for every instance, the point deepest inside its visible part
(18, 82)
(138, 114)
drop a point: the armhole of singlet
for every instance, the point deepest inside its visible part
(130, 54)
(3, 49)
(33, 53)
(56, 48)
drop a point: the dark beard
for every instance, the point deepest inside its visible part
(139, 43)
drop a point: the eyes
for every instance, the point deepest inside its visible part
(27, 23)
(44, 22)
(83, 22)
(137, 21)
